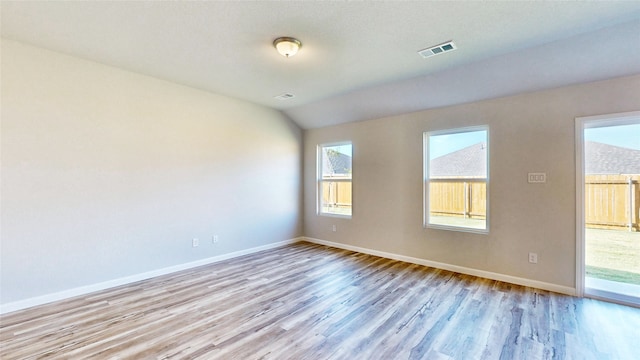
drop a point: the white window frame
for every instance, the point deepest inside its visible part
(426, 182)
(319, 180)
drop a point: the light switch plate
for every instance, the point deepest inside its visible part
(537, 177)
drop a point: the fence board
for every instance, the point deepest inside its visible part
(458, 198)
(612, 201)
(337, 193)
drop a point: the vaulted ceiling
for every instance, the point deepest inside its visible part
(358, 60)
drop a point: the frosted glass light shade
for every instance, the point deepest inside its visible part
(287, 46)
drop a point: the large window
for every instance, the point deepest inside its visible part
(334, 179)
(456, 179)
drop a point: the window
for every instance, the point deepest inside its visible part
(334, 179)
(456, 175)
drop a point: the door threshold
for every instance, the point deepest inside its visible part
(620, 293)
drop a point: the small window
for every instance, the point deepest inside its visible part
(334, 180)
(456, 179)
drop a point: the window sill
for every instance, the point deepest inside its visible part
(334, 215)
(457, 228)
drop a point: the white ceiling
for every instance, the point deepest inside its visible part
(358, 60)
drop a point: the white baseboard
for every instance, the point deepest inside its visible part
(459, 269)
(83, 290)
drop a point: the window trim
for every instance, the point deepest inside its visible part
(319, 179)
(426, 181)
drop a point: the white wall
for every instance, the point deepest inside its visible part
(532, 132)
(107, 173)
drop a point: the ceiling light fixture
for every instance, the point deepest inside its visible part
(287, 46)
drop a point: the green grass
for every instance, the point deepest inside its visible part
(613, 275)
(613, 255)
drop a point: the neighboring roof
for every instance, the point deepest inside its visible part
(468, 162)
(599, 159)
(608, 159)
(336, 163)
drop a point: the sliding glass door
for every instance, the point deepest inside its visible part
(608, 173)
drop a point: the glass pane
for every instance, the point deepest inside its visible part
(336, 197)
(336, 162)
(335, 180)
(457, 179)
(612, 210)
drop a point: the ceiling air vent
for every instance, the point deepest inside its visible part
(438, 49)
(285, 96)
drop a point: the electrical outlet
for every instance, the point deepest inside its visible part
(195, 242)
(215, 239)
(334, 228)
(533, 258)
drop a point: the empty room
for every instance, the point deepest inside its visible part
(320, 180)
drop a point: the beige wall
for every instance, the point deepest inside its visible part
(532, 132)
(106, 173)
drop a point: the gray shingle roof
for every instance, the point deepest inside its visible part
(599, 159)
(468, 162)
(608, 159)
(336, 163)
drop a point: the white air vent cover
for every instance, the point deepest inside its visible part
(438, 49)
(285, 96)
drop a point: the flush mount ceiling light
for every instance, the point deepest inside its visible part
(287, 46)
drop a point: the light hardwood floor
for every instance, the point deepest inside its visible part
(307, 301)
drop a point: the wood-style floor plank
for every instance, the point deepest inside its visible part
(307, 301)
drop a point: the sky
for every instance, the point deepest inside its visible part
(627, 136)
(443, 144)
(343, 149)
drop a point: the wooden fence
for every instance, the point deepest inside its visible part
(336, 193)
(465, 198)
(611, 201)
